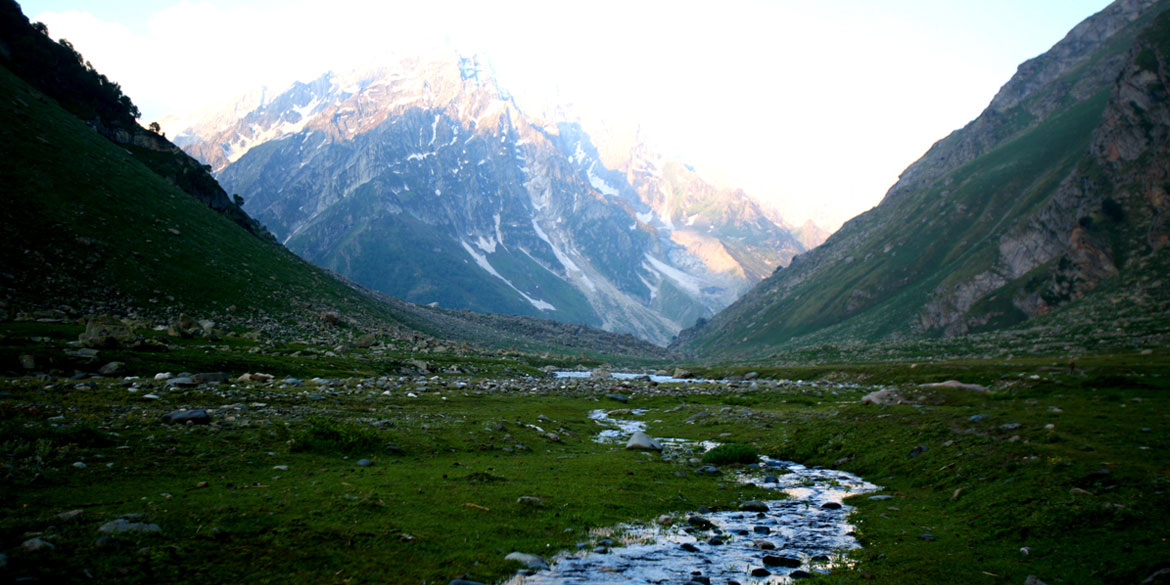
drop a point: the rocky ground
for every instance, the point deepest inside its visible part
(233, 459)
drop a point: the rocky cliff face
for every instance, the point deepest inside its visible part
(427, 182)
(1056, 190)
(1086, 60)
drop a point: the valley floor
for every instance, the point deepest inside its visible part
(1049, 472)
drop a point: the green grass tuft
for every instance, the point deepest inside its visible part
(731, 453)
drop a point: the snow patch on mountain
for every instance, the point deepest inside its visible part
(599, 183)
(693, 286)
(563, 258)
(483, 263)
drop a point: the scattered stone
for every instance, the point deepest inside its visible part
(122, 525)
(765, 545)
(528, 560)
(1156, 578)
(28, 362)
(751, 376)
(1033, 580)
(700, 522)
(1025, 550)
(689, 547)
(464, 582)
(163, 376)
(884, 397)
(917, 451)
(954, 384)
(528, 501)
(181, 382)
(830, 506)
(754, 506)
(364, 463)
(37, 544)
(779, 561)
(184, 417)
(760, 572)
(881, 497)
(280, 467)
(927, 537)
(978, 417)
(89, 355)
(79, 465)
(640, 440)
(111, 368)
(151, 397)
(715, 541)
(708, 470)
(1009, 427)
(70, 516)
(210, 377)
(682, 374)
(799, 574)
(618, 397)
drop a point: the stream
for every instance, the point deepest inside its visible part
(777, 541)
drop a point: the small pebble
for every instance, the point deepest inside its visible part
(37, 544)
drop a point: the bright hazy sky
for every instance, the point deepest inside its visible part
(814, 106)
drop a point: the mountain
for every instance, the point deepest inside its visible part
(1048, 210)
(104, 217)
(426, 181)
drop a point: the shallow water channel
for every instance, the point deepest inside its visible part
(792, 538)
(656, 378)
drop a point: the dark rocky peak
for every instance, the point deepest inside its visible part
(1077, 46)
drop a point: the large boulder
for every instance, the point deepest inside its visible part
(528, 560)
(106, 332)
(884, 397)
(184, 327)
(640, 440)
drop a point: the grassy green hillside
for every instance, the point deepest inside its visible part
(93, 225)
(1036, 222)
